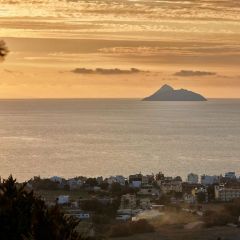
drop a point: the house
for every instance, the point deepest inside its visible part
(225, 194)
(148, 179)
(128, 201)
(123, 217)
(121, 180)
(145, 180)
(230, 175)
(171, 186)
(57, 179)
(99, 180)
(116, 179)
(192, 178)
(135, 180)
(63, 199)
(149, 190)
(188, 187)
(162, 180)
(145, 203)
(74, 183)
(209, 180)
(136, 184)
(200, 194)
(111, 180)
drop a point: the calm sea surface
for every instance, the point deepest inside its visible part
(105, 137)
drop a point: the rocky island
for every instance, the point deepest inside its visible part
(167, 93)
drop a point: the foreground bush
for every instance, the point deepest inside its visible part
(25, 216)
(229, 214)
(213, 218)
(121, 230)
(141, 226)
(130, 228)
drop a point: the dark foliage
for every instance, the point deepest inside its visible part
(213, 218)
(121, 230)
(201, 197)
(117, 190)
(130, 228)
(92, 182)
(98, 207)
(229, 214)
(104, 185)
(43, 184)
(25, 216)
(233, 208)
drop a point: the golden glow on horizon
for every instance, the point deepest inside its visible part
(49, 39)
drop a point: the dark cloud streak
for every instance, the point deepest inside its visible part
(104, 71)
(190, 73)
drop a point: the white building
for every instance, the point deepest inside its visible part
(226, 194)
(230, 175)
(121, 180)
(63, 199)
(173, 186)
(192, 178)
(209, 180)
(116, 179)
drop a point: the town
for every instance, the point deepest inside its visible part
(116, 200)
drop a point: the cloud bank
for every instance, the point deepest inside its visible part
(106, 71)
(190, 73)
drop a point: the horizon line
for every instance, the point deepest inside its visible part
(106, 98)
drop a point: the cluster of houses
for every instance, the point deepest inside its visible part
(225, 188)
(150, 189)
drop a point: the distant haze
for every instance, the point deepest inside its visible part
(187, 44)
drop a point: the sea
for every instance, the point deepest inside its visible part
(104, 137)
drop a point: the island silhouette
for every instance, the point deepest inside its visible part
(167, 93)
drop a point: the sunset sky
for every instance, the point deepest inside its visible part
(57, 45)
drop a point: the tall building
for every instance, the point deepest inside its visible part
(209, 180)
(192, 178)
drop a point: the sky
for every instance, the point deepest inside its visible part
(119, 48)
